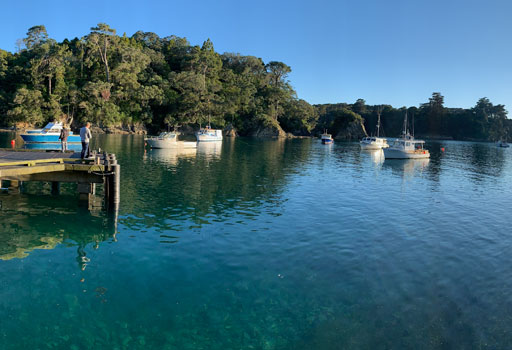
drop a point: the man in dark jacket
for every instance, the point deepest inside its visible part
(64, 133)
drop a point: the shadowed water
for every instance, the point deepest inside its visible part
(277, 244)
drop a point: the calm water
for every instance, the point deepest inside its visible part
(266, 245)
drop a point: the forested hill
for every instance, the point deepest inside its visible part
(154, 82)
(483, 122)
(147, 80)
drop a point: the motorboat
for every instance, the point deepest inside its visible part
(49, 134)
(168, 140)
(503, 144)
(374, 142)
(326, 138)
(209, 134)
(406, 147)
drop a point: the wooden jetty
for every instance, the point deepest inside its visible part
(20, 165)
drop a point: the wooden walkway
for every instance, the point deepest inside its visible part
(18, 166)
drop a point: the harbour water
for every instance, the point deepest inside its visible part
(265, 244)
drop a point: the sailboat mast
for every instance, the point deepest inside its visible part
(378, 122)
(405, 124)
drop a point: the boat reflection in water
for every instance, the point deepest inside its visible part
(32, 222)
(170, 156)
(52, 146)
(377, 156)
(210, 150)
(407, 167)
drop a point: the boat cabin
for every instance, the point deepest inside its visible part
(52, 128)
(408, 145)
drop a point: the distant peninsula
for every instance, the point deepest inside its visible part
(146, 83)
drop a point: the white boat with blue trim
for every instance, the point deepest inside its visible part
(326, 138)
(209, 134)
(49, 134)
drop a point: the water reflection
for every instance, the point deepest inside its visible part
(209, 187)
(406, 168)
(210, 150)
(32, 222)
(376, 156)
(169, 156)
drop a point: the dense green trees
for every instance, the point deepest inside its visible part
(114, 80)
(432, 119)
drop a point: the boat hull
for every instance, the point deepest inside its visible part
(390, 153)
(170, 144)
(41, 138)
(327, 141)
(372, 146)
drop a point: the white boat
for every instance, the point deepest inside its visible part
(374, 142)
(326, 138)
(406, 147)
(168, 140)
(503, 144)
(209, 134)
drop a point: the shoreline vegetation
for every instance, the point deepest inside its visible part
(144, 84)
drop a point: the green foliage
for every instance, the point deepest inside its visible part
(160, 82)
(485, 121)
(27, 107)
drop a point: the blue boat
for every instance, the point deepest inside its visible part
(49, 134)
(326, 138)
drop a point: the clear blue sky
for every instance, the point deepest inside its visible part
(385, 51)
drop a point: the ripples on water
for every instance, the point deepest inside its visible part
(266, 245)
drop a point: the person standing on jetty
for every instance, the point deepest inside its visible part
(85, 136)
(63, 137)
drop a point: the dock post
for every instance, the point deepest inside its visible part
(85, 189)
(55, 187)
(115, 194)
(14, 186)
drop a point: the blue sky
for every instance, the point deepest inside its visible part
(389, 51)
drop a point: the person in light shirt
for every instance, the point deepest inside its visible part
(85, 136)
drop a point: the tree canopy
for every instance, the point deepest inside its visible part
(114, 80)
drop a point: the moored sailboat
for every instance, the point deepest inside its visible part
(374, 142)
(406, 147)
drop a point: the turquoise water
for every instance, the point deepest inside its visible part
(265, 245)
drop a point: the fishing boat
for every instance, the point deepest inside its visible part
(209, 134)
(168, 140)
(374, 142)
(326, 138)
(49, 134)
(406, 147)
(503, 144)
